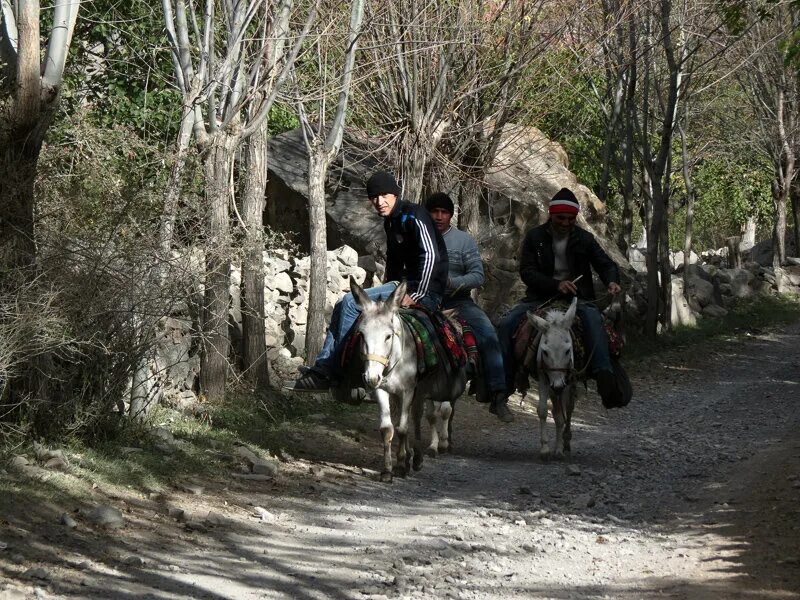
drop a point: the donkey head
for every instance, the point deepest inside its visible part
(378, 331)
(555, 358)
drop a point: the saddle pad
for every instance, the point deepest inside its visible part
(434, 336)
(442, 340)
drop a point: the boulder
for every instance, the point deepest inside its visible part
(741, 281)
(701, 290)
(676, 260)
(528, 170)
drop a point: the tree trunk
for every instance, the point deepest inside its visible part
(412, 168)
(795, 197)
(689, 223)
(748, 234)
(214, 358)
(665, 270)
(652, 262)
(173, 193)
(315, 328)
(254, 344)
(470, 203)
(20, 158)
(779, 223)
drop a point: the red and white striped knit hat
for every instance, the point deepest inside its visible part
(564, 202)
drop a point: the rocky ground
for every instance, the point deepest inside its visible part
(690, 492)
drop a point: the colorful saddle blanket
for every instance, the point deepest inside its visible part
(438, 342)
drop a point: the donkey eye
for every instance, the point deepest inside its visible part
(388, 336)
(566, 352)
(545, 353)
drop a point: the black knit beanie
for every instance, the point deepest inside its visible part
(439, 200)
(382, 182)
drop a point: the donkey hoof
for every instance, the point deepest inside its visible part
(444, 449)
(544, 454)
(432, 452)
(386, 476)
(417, 462)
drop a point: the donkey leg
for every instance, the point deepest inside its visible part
(403, 455)
(558, 417)
(432, 414)
(387, 433)
(445, 412)
(450, 427)
(572, 397)
(417, 408)
(541, 410)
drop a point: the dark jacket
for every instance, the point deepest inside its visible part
(583, 252)
(415, 250)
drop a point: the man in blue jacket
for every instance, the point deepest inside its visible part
(465, 275)
(554, 255)
(415, 252)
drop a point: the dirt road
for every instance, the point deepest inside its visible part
(691, 492)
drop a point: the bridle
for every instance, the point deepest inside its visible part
(380, 358)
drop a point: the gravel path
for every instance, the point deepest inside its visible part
(691, 492)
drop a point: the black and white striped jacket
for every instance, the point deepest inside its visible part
(415, 250)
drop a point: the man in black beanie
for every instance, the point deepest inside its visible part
(465, 275)
(415, 251)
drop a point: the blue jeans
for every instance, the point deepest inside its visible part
(345, 314)
(594, 336)
(486, 338)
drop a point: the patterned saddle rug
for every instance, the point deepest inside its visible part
(438, 340)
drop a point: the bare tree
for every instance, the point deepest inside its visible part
(668, 44)
(323, 142)
(772, 83)
(30, 88)
(216, 52)
(414, 64)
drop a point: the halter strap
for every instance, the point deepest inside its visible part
(384, 360)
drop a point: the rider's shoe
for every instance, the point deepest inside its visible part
(309, 382)
(499, 407)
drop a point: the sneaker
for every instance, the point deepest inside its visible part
(499, 407)
(310, 382)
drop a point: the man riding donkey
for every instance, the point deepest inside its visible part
(415, 252)
(557, 258)
(466, 274)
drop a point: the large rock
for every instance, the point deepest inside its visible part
(528, 170)
(701, 290)
(741, 281)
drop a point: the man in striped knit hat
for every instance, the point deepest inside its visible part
(554, 255)
(415, 252)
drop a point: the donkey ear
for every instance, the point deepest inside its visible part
(569, 316)
(359, 295)
(396, 299)
(538, 322)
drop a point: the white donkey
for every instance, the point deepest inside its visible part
(555, 366)
(389, 369)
